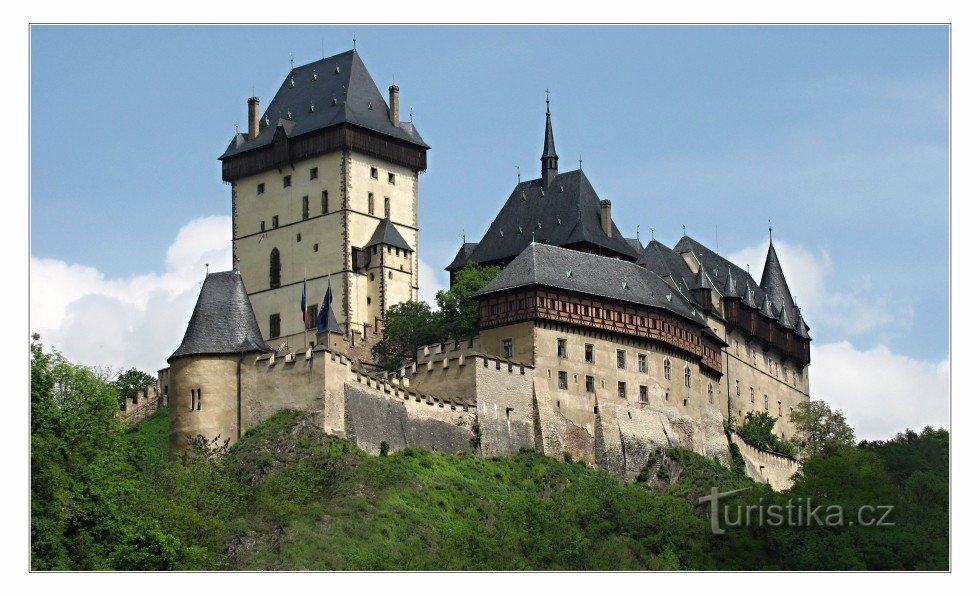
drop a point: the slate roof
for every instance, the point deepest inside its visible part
(223, 321)
(546, 265)
(387, 233)
(769, 297)
(342, 92)
(566, 213)
(462, 257)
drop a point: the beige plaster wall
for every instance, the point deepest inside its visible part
(217, 379)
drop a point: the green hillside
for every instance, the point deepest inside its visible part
(288, 496)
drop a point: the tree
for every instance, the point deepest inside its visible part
(408, 325)
(131, 382)
(458, 311)
(757, 431)
(820, 429)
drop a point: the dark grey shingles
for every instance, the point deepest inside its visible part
(387, 233)
(223, 321)
(774, 283)
(566, 214)
(348, 96)
(561, 268)
(462, 256)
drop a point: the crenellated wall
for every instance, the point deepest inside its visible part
(765, 466)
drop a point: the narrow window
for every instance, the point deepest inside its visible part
(589, 384)
(314, 172)
(391, 178)
(371, 203)
(779, 408)
(667, 368)
(562, 349)
(262, 226)
(751, 395)
(323, 202)
(306, 207)
(374, 173)
(738, 389)
(766, 402)
(260, 189)
(275, 267)
(711, 394)
(589, 353)
(644, 398)
(508, 346)
(193, 399)
(641, 362)
(273, 326)
(287, 181)
(562, 379)
(622, 389)
(316, 248)
(620, 358)
(687, 376)
(275, 221)
(198, 399)
(387, 207)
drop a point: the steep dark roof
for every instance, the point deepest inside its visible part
(561, 268)
(343, 92)
(387, 233)
(462, 257)
(663, 261)
(717, 266)
(774, 283)
(223, 321)
(565, 214)
(549, 138)
(636, 244)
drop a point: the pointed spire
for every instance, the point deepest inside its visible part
(773, 281)
(784, 317)
(549, 159)
(748, 297)
(767, 309)
(701, 281)
(730, 285)
(800, 325)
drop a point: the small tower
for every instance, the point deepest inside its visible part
(387, 263)
(549, 159)
(205, 371)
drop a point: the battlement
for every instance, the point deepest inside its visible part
(142, 405)
(767, 466)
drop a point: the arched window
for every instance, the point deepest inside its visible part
(275, 267)
(687, 376)
(667, 369)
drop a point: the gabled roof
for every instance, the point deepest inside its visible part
(636, 244)
(717, 266)
(342, 92)
(576, 271)
(663, 261)
(462, 257)
(387, 233)
(223, 321)
(565, 214)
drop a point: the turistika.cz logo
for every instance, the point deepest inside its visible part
(798, 513)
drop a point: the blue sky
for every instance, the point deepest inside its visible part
(839, 134)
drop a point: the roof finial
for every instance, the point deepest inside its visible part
(290, 62)
(206, 269)
(409, 113)
(236, 125)
(637, 231)
(355, 42)
(532, 236)
(464, 235)
(547, 100)
(685, 229)
(580, 161)
(518, 174)
(770, 230)
(651, 235)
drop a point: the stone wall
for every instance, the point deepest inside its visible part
(143, 405)
(765, 466)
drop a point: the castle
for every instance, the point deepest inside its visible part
(590, 344)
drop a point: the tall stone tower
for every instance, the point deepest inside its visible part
(325, 188)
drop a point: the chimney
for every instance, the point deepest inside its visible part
(253, 117)
(393, 104)
(605, 216)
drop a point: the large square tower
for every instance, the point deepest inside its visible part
(325, 189)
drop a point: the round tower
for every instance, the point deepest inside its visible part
(206, 370)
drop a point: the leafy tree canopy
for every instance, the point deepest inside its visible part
(757, 430)
(131, 382)
(820, 428)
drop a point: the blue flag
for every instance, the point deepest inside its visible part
(323, 317)
(302, 307)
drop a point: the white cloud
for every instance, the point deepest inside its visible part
(428, 284)
(132, 321)
(857, 312)
(881, 393)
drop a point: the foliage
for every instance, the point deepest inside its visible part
(131, 382)
(458, 311)
(819, 429)
(757, 431)
(409, 325)
(288, 496)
